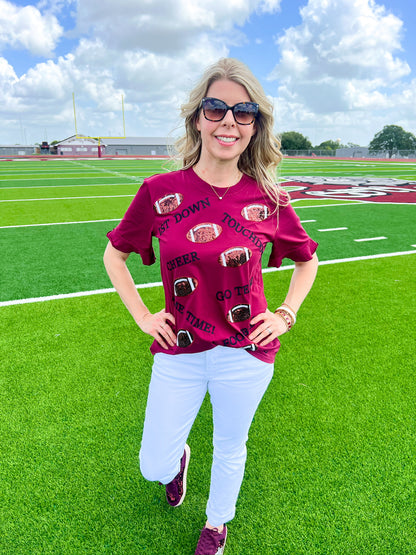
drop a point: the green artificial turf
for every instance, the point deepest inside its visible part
(65, 210)
(66, 191)
(58, 259)
(348, 168)
(331, 453)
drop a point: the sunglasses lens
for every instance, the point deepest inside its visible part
(245, 112)
(214, 109)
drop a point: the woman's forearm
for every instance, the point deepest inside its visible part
(155, 324)
(301, 282)
(119, 274)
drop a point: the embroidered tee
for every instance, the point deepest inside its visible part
(210, 255)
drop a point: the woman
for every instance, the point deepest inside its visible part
(213, 219)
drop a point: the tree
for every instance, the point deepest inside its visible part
(392, 138)
(292, 140)
(330, 146)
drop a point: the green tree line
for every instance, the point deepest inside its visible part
(392, 139)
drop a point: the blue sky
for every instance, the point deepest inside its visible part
(334, 69)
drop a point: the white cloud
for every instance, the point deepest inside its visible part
(269, 6)
(151, 54)
(55, 7)
(164, 26)
(342, 39)
(338, 63)
(25, 27)
(7, 73)
(44, 82)
(7, 79)
(341, 65)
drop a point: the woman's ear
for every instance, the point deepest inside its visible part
(197, 123)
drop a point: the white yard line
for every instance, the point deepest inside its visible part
(341, 260)
(334, 229)
(348, 203)
(28, 178)
(60, 223)
(103, 170)
(159, 284)
(64, 198)
(369, 239)
(72, 186)
(74, 295)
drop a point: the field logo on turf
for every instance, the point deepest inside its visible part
(352, 188)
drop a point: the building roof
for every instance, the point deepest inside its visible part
(140, 141)
(125, 141)
(78, 140)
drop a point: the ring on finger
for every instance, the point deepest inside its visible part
(269, 330)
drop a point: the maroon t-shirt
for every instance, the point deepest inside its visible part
(210, 255)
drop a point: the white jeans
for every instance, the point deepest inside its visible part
(236, 382)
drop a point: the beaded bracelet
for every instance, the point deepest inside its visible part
(286, 317)
(289, 311)
(288, 307)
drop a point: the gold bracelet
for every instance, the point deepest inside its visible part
(289, 311)
(285, 317)
(289, 307)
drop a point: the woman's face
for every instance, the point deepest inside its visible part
(225, 140)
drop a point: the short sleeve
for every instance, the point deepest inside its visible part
(291, 240)
(134, 232)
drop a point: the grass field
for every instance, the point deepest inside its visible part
(332, 453)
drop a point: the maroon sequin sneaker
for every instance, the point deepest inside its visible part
(176, 489)
(211, 542)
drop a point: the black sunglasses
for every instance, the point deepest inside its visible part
(244, 112)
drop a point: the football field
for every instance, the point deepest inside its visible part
(332, 451)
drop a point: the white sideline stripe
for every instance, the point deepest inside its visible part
(333, 229)
(60, 223)
(88, 222)
(369, 239)
(74, 295)
(63, 198)
(103, 170)
(63, 186)
(160, 284)
(46, 176)
(347, 203)
(341, 260)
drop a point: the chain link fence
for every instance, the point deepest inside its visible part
(358, 152)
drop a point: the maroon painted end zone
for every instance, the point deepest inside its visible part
(360, 189)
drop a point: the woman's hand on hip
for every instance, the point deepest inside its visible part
(271, 326)
(158, 325)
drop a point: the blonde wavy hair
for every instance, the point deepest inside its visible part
(262, 156)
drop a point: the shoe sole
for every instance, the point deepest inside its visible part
(185, 474)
